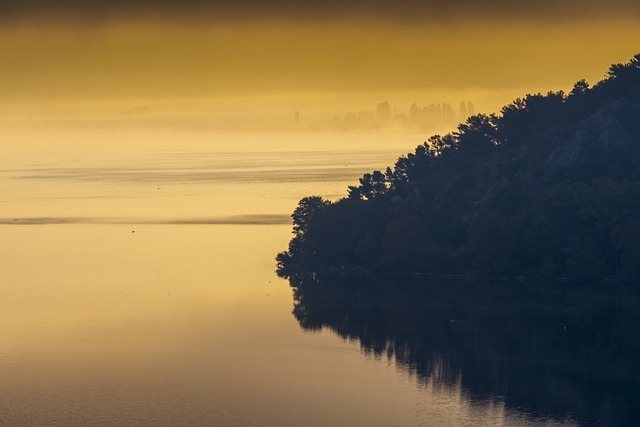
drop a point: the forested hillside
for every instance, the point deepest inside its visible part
(548, 187)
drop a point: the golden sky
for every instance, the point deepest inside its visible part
(71, 56)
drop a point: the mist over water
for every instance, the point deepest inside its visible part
(138, 287)
(151, 154)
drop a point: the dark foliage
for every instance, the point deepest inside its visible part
(549, 187)
(552, 350)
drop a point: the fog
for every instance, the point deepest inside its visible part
(247, 76)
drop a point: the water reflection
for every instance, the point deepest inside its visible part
(560, 351)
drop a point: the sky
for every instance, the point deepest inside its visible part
(420, 11)
(262, 59)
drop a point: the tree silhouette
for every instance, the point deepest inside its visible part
(549, 187)
(306, 209)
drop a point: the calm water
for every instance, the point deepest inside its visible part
(137, 287)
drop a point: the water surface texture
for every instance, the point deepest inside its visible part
(137, 287)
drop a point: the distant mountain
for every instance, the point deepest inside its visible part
(549, 187)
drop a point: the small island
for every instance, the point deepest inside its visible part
(547, 188)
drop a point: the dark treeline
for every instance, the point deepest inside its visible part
(546, 349)
(549, 187)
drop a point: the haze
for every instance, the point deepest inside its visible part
(252, 67)
(151, 155)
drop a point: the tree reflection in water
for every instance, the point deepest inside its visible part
(555, 349)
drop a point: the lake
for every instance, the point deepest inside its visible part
(138, 287)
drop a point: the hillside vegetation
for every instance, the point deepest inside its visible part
(548, 187)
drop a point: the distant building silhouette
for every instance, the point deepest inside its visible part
(471, 109)
(383, 112)
(463, 111)
(430, 116)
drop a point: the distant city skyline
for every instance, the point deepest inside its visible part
(429, 116)
(88, 58)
